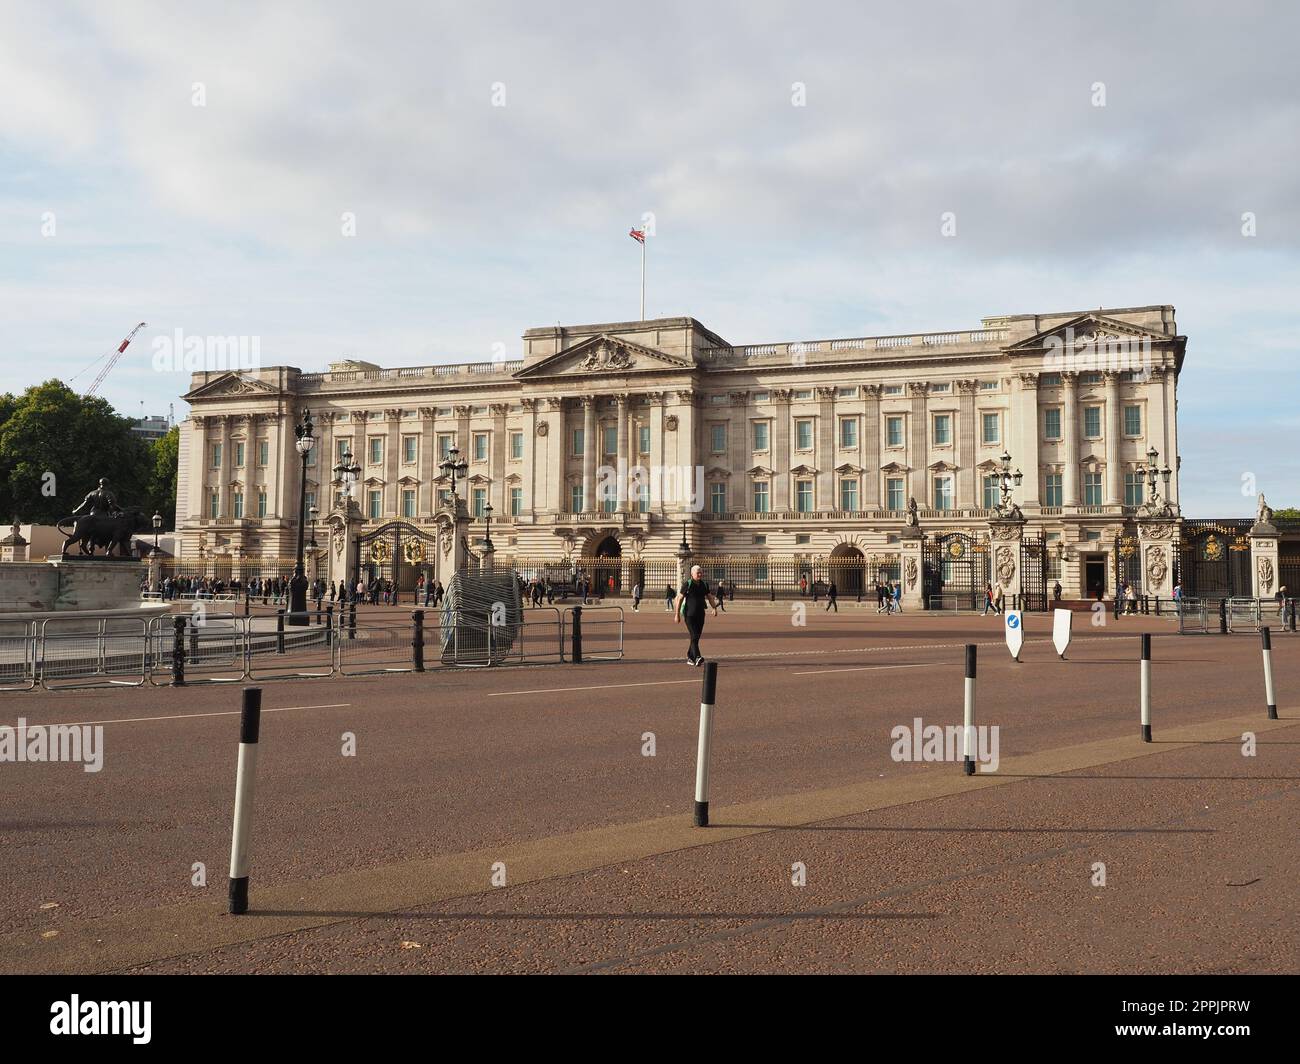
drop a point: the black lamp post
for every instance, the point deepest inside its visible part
(487, 536)
(1153, 471)
(298, 582)
(684, 548)
(1007, 480)
(157, 527)
(452, 466)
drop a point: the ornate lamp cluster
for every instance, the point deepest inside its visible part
(1156, 503)
(1007, 481)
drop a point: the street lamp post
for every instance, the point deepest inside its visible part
(453, 465)
(157, 527)
(1007, 480)
(298, 582)
(488, 549)
(1153, 474)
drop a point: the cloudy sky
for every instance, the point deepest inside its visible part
(191, 166)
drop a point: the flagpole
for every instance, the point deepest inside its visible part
(643, 242)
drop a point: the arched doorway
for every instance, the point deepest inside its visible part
(607, 563)
(848, 569)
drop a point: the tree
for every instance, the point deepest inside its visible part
(54, 447)
(1289, 512)
(165, 454)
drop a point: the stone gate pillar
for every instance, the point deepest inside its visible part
(1006, 536)
(911, 568)
(452, 553)
(344, 524)
(1158, 547)
(1264, 561)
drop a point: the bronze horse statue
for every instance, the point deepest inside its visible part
(90, 531)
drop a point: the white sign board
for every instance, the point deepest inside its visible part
(1015, 633)
(1061, 621)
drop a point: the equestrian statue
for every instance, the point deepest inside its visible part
(100, 522)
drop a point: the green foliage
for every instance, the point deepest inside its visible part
(54, 447)
(162, 476)
(1290, 511)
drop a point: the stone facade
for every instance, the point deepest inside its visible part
(622, 431)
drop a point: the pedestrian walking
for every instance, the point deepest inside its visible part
(668, 598)
(636, 597)
(898, 597)
(988, 600)
(1130, 599)
(832, 595)
(722, 595)
(1056, 591)
(999, 598)
(692, 600)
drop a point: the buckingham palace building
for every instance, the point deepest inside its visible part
(605, 446)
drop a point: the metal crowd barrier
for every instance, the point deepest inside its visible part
(1193, 616)
(1244, 615)
(602, 637)
(287, 651)
(17, 655)
(109, 652)
(378, 647)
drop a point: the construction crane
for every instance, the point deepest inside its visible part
(113, 360)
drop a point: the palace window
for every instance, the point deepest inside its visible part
(1052, 423)
(1052, 493)
(374, 502)
(310, 497)
(1132, 421)
(408, 502)
(991, 491)
(238, 504)
(991, 428)
(718, 438)
(718, 498)
(760, 435)
(409, 446)
(803, 539)
(239, 454)
(576, 443)
(942, 429)
(1092, 422)
(516, 501)
(1089, 378)
(480, 446)
(575, 498)
(760, 540)
(988, 386)
(479, 497)
(849, 494)
(263, 453)
(1049, 380)
(516, 445)
(894, 431)
(894, 493)
(643, 439)
(609, 499)
(609, 436)
(1134, 483)
(216, 456)
(214, 505)
(804, 496)
(641, 496)
(760, 397)
(803, 393)
(760, 497)
(1092, 489)
(376, 450)
(940, 388)
(850, 392)
(340, 448)
(803, 434)
(261, 503)
(848, 432)
(943, 492)
(445, 443)
(892, 389)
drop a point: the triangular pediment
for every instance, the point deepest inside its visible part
(1086, 330)
(230, 385)
(942, 467)
(895, 467)
(759, 471)
(717, 471)
(603, 355)
(804, 471)
(848, 469)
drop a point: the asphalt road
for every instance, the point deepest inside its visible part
(385, 860)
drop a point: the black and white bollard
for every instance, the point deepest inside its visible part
(1266, 638)
(707, 698)
(968, 717)
(245, 775)
(1146, 687)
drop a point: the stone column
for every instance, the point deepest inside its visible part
(622, 462)
(871, 446)
(223, 488)
(393, 463)
(528, 505)
(687, 456)
(1070, 438)
(555, 499)
(1004, 562)
(655, 416)
(967, 446)
(824, 492)
(918, 449)
(1027, 445)
(739, 449)
(589, 447)
(1114, 485)
(498, 448)
(780, 498)
(426, 499)
(1158, 544)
